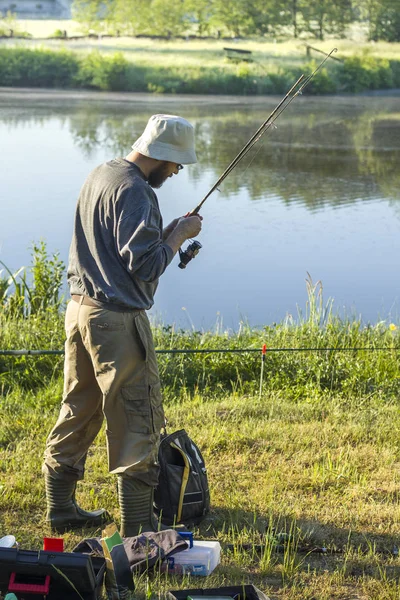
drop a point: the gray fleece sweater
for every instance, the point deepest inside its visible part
(117, 254)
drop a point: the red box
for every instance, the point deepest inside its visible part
(53, 544)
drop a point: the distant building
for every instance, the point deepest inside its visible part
(36, 9)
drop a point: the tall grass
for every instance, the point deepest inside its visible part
(22, 297)
(318, 353)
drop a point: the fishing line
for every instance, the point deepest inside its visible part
(194, 247)
(271, 123)
(262, 130)
(250, 142)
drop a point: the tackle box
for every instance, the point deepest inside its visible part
(236, 592)
(51, 575)
(200, 559)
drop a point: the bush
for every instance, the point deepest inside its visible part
(59, 33)
(323, 83)
(361, 73)
(37, 68)
(63, 69)
(102, 72)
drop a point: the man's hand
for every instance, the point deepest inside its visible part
(169, 228)
(185, 228)
(190, 226)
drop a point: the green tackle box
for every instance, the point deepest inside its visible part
(236, 592)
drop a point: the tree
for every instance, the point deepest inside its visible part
(88, 13)
(388, 22)
(326, 16)
(294, 14)
(167, 17)
(383, 18)
(230, 15)
(265, 16)
(132, 18)
(199, 12)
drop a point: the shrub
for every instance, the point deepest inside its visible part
(323, 83)
(59, 33)
(102, 72)
(37, 68)
(361, 73)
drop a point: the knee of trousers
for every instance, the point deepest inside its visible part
(135, 455)
(59, 471)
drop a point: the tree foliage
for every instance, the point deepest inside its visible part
(238, 18)
(326, 16)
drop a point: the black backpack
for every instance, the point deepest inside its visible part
(182, 494)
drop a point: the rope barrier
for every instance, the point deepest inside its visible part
(215, 350)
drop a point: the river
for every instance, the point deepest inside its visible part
(320, 195)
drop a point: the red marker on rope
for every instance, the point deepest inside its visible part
(263, 353)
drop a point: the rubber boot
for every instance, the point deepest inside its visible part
(136, 504)
(63, 513)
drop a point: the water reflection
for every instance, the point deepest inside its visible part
(325, 152)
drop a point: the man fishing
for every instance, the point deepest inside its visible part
(118, 252)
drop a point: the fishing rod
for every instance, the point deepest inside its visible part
(297, 88)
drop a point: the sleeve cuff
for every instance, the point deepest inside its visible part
(169, 252)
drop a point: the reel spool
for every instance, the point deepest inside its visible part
(186, 255)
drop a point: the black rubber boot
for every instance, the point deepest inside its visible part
(63, 513)
(136, 504)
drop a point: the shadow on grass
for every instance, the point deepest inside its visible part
(274, 549)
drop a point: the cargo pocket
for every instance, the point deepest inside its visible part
(138, 409)
(157, 410)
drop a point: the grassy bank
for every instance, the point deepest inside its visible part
(311, 462)
(172, 68)
(315, 456)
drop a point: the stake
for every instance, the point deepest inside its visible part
(263, 353)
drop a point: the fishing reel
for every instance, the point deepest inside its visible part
(186, 255)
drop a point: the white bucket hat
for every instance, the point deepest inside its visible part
(167, 137)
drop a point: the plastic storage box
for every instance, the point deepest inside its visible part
(201, 559)
(237, 592)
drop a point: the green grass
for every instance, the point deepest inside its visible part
(209, 53)
(312, 461)
(268, 47)
(324, 470)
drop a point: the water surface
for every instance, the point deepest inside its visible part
(320, 195)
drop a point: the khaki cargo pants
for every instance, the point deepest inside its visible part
(110, 371)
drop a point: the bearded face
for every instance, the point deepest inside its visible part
(160, 174)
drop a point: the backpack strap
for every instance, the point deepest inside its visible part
(185, 478)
